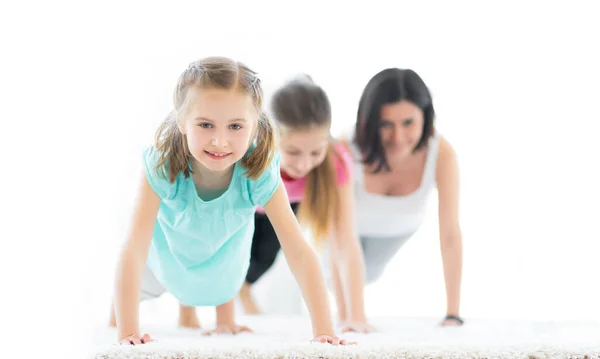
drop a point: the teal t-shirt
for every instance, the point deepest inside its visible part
(200, 250)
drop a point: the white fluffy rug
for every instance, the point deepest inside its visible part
(288, 337)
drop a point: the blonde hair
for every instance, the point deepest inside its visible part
(321, 198)
(299, 105)
(213, 73)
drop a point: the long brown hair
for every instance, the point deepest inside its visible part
(213, 73)
(389, 86)
(299, 105)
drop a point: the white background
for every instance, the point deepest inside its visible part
(84, 86)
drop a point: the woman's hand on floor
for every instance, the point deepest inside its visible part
(452, 321)
(136, 339)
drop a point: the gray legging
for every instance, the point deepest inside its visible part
(378, 251)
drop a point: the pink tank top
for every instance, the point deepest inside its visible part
(295, 187)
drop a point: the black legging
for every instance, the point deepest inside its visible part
(265, 246)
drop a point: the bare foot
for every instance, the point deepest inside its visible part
(112, 322)
(188, 317)
(247, 300)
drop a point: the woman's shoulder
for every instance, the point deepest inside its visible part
(447, 158)
(445, 148)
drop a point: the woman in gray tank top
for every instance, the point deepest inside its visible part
(399, 158)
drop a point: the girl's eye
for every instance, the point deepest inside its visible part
(236, 127)
(205, 125)
(316, 154)
(407, 123)
(293, 153)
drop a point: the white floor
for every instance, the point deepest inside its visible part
(394, 305)
(285, 332)
(287, 336)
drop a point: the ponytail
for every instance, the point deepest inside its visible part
(173, 149)
(260, 158)
(321, 197)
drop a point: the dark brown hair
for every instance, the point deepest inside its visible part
(300, 105)
(213, 73)
(389, 86)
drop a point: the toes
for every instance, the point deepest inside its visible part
(146, 338)
(136, 339)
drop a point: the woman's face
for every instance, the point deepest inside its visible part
(400, 128)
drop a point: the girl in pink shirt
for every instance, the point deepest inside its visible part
(316, 172)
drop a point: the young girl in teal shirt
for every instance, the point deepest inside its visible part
(213, 163)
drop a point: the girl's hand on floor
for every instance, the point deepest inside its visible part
(135, 339)
(333, 340)
(229, 329)
(357, 327)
